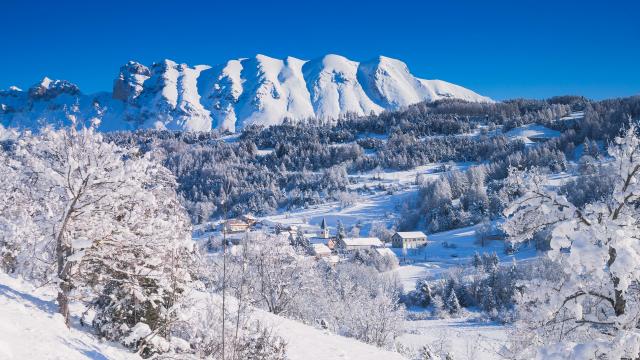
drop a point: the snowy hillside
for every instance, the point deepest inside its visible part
(30, 313)
(258, 90)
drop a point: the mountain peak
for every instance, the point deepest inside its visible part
(258, 90)
(48, 89)
(45, 82)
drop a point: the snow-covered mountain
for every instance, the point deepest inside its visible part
(259, 90)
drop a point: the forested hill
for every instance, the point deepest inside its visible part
(265, 169)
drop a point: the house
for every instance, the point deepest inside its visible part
(236, 225)
(324, 237)
(249, 219)
(409, 239)
(320, 250)
(359, 243)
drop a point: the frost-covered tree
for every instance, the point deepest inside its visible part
(16, 218)
(483, 231)
(594, 303)
(363, 304)
(379, 230)
(104, 222)
(276, 273)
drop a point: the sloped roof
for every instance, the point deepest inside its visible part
(411, 234)
(362, 241)
(236, 222)
(320, 249)
(315, 239)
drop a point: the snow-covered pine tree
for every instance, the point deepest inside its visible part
(490, 261)
(424, 292)
(486, 297)
(477, 261)
(340, 230)
(452, 304)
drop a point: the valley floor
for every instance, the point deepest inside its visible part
(464, 338)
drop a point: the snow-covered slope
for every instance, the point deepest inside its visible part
(31, 328)
(305, 343)
(259, 90)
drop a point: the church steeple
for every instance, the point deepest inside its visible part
(325, 228)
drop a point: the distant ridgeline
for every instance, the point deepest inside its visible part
(259, 90)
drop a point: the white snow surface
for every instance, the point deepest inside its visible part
(305, 342)
(31, 328)
(259, 90)
(532, 132)
(465, 337)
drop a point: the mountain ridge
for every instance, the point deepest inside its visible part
(257, 90)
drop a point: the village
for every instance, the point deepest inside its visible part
(323, 242)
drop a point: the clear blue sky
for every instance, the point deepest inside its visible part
(503, 49)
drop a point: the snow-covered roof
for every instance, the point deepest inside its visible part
(236, 222)
(315, 238)
(320, 249)
(411, 234)
(362, 241)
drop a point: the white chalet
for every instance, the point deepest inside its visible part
(409, 239)
(359, 243)
(236, 225)
(249, 219)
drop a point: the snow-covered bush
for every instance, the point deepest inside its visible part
(245, 335)
(350, 299)
(359, 302)
(372, 258)
(261, 343)
(484, 285)
(273, 270)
